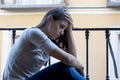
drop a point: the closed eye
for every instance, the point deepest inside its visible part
(62, 26)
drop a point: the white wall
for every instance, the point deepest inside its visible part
(6, 45)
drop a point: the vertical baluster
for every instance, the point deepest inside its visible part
(107, 56)
(49, 61)
(87, 56)
(13, 35)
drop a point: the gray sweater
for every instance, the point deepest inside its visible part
(29, 53)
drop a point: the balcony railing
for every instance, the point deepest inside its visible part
(86, 30)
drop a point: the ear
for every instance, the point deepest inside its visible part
(49, 18)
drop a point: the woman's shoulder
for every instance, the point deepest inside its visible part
(36, 32)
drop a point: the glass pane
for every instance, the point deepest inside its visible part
(31, 2)
(11, 4)
(115, 0)
(27, 2)
(57, 1)
(8, 1)
(113, 3)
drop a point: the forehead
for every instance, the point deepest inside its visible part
(64, 22)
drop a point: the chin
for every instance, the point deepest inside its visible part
(52, 38)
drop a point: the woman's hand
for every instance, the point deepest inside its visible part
(71, 46)
(81, 70)
(70, 21)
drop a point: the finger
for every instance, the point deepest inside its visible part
(70, 24)
(68, 16)
(69, 20)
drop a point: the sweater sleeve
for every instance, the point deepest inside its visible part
(40, 40)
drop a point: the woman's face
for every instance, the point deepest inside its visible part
(56, 28)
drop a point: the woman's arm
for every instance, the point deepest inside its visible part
(67, 59)
(71, 44)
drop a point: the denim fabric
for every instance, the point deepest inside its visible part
(57, 71)
(75, 74)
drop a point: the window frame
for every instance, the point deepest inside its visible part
(31, 6)
(112, 3)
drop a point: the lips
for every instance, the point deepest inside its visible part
(57, 36)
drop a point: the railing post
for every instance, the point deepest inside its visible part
(87, 55)
(49, 61)
(13, 35)
(107, 56)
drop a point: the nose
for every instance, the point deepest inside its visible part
(61, 32)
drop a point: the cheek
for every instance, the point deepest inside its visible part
(53, 32)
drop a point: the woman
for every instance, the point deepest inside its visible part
(52, 37)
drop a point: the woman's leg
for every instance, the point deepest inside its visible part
(75, 75)
(52, 72)
(57, 71)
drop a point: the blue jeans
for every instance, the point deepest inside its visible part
(57, 71)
